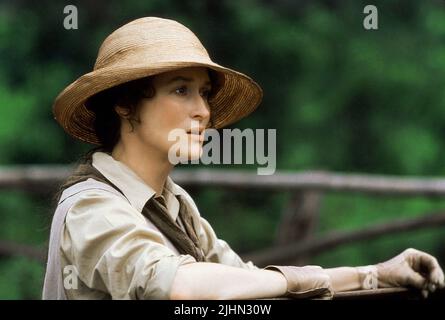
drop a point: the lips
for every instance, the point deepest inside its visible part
(197, 131)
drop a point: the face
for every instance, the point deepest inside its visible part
(179, 106)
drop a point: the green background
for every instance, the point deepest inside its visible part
(342, 99)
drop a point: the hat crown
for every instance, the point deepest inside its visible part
(148, 41)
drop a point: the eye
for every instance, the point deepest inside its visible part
(205, 93)
(181, 91)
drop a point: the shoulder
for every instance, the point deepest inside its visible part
(98, 204)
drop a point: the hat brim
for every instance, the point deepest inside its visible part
(237, 97)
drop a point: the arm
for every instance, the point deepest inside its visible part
(192, 282)
(204, 280)
(344, 279)
(216, 281)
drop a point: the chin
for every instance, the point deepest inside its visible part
(195, 154)
(194, 157)
(190, 153)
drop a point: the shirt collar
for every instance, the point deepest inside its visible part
(134, 188)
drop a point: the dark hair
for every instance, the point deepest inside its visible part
(107, 122)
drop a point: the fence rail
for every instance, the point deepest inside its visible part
(25, 177)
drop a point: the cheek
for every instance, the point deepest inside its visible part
(173, 117)
(170, 117)
(159, 118)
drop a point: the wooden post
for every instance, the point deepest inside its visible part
(299, 220)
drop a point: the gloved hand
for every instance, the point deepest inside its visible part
(411, 268)
(305, 282)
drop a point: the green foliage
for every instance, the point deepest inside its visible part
(246, 220)
(341, 98)
(25, 219)
(21, 279)
(341, 212)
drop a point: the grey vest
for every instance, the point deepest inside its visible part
(53, 288)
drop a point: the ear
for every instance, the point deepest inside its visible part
(122, 112)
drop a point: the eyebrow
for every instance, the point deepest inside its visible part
(185, 79)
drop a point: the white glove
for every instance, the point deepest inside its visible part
(411, 268)
(305, 282)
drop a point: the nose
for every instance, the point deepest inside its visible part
(201, 109)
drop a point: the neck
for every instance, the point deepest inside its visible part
(150, 165)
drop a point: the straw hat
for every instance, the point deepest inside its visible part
(146, 47)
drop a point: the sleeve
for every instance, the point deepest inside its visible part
(218, 251)
(115, 251)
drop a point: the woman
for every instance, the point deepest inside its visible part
(124, 228)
